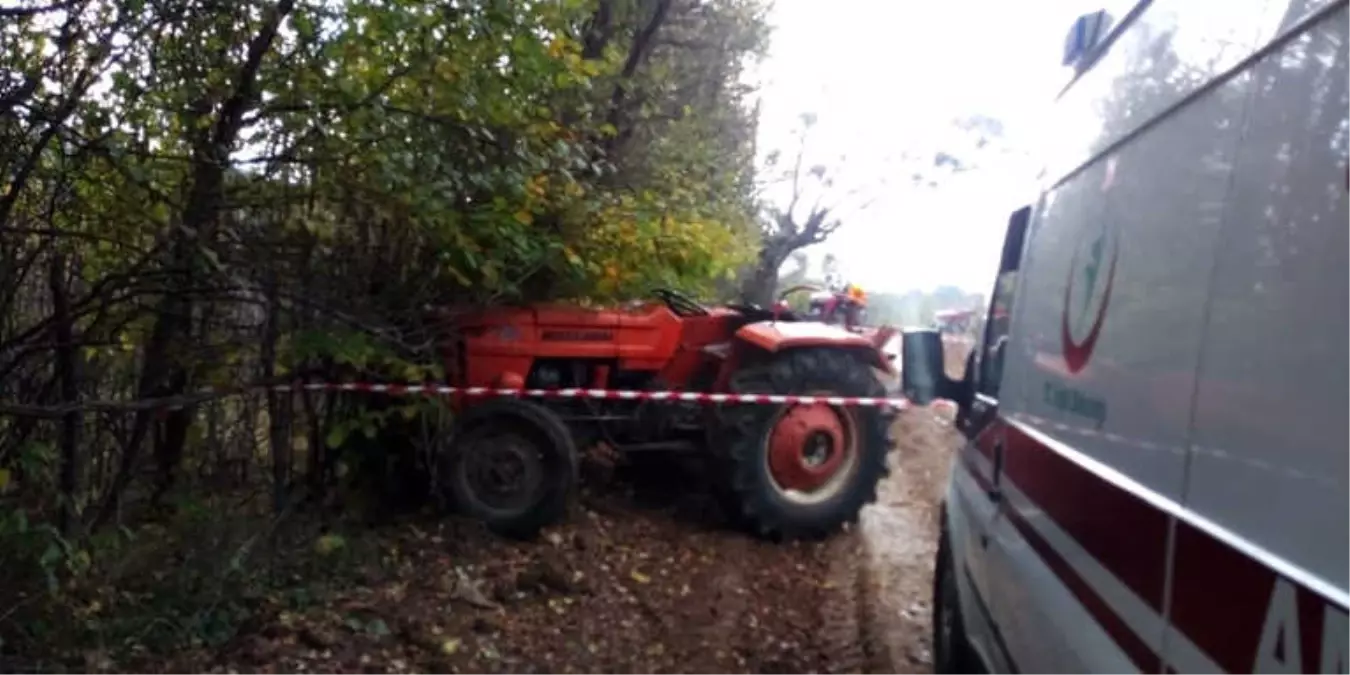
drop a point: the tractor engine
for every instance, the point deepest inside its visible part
(625, 422)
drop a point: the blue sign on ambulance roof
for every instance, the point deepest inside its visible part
(1087, 31)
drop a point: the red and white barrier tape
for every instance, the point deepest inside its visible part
(604, 394)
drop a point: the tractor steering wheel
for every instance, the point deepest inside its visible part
(679, 303)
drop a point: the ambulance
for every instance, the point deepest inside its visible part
(1153, 476)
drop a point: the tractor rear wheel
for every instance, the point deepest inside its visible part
(803, 471)
(511, 464)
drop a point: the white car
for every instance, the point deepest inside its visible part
(1155, 472)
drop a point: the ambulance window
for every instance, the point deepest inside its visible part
(999, 319)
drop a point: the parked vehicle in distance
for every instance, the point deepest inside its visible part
(1154, 476)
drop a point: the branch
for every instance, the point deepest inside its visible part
(245, 94)
(57, 232)
(599, 30)
(26, 12)
(815, 229)
(643, 43)
(796, 180)
(86, 78)
(369, 99)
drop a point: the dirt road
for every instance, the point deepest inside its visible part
(899, 541)
(642, 579)
(899, 535)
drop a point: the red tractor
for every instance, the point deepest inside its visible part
(784, 471)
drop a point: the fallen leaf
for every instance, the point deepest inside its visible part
(468, 590)
(450, 646)
(640, 577)
(378, 628)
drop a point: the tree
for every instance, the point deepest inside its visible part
(679, 137)
(810, 212)
(809, 216)
(200, 194)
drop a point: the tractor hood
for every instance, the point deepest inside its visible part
(774, 336)
(640, 335)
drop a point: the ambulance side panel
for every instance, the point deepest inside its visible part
(1260, 580)
(1109, 328)
(1117, 276)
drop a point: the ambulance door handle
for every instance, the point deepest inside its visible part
(995, 492)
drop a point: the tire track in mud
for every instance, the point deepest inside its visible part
(876, 657)
(729, 602)
(843, 626)
(896, 546)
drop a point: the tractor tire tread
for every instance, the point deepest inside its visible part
(551, 506)
(748, 495)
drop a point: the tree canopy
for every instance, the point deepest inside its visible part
(214, 194)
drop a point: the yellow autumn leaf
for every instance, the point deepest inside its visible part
(640, 577)
(536, 186)
(450, 646)
(524, 217)
(328, 543)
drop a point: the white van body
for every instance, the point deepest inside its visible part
(1156, 481)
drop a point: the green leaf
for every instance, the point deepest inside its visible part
(336, 436)
(50, 556)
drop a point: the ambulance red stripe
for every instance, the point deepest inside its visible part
(1123, 532)
(1220, 601)
(1220, 593)
(1139, 653)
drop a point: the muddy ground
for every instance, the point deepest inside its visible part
(641, 579)
(899, 542)
(644, 577)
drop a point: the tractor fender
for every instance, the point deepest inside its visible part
(777, 336)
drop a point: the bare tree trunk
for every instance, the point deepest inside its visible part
(67, 373)
(169, 445)
(211, 156)
(156, 374)
(762, 283)
(599, 30)
(278, 406)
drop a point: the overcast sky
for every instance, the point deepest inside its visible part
(887, 76)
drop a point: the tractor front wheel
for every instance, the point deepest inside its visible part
(803, 471)
(511, 464)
